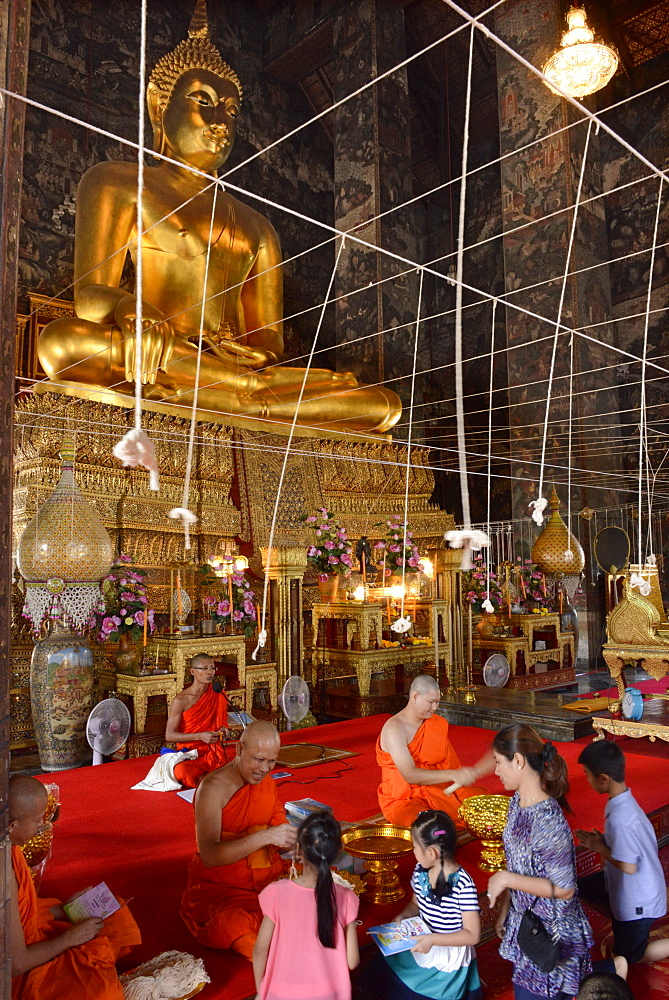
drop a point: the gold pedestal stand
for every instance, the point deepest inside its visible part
(380, 847)
(485, 818)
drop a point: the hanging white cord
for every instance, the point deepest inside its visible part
(569, 555)
(637, 579)
(541, 503)
(183, 513)
(487, 604)
(262, 634)
(465, 539)
(136, 448)
(404, 624)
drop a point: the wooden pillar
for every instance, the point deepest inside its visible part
(287, 565)
(14, 43)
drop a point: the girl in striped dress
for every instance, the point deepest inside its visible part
(441, 965)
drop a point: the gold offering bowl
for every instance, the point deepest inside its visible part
(485, 818)
(380, 847)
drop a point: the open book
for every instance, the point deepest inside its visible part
(95, 902)
(398, 936)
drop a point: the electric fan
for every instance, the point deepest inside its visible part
(496, 671)
(107, 728)
(294, 700)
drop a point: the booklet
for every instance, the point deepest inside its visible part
(396, 937)
(95, 902)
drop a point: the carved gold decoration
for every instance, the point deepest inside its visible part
(177, 653)
(380, 846)
(140, 689)
(557, 550)
(634, 636)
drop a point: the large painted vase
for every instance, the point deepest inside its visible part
(61, 693)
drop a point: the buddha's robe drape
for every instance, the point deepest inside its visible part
(209, 713)
(220, 905)
(430, 748)
(86, 971)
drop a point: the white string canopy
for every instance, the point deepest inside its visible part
(476, 458)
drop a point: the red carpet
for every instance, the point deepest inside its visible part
(140, 842)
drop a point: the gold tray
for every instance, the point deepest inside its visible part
(377, 842)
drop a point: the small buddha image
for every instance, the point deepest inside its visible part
(198, 242)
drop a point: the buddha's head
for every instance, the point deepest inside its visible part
(194, 99)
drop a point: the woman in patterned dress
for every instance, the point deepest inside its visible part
(541, 865)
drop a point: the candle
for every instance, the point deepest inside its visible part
(470, 648)
(146, 622)
(258, 615)
(383, 581)
(450, 640)
(561, 602)
(230, 595)
(179, 604)
(435, 636)
(171, 601)
(157, 654)
(388, 610)
(364, 568)
(543, 583)
(522, 586)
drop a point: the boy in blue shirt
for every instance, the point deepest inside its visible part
(633, 874)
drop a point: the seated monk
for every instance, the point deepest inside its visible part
(51, 957)
(417, 760)
(241, 827)
(197, 721)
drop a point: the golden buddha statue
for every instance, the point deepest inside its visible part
(193, 100)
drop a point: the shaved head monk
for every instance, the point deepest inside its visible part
(197, 721)
(51, 957)
(417, 760)
(241, 827)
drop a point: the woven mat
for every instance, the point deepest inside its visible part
(308, 754)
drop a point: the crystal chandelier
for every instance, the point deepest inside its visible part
(581, 66)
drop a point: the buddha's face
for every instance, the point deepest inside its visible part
(200, 120)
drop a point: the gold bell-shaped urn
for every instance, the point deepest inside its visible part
(557, 550)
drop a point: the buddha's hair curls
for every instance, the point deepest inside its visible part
(194, 52)
(542, 758)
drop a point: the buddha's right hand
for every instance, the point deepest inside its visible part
(157, 339)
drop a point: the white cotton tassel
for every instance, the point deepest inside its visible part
(488, 606)
(136, 448)
(539, 508)
(651, 560)
(401, 625)
(169, 976)
(262, 639)
(468, 540)
(187, 518)
(636, 580)
(569, 555)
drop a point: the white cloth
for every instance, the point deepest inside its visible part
(161, 775)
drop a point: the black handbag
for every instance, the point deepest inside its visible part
(536, 942)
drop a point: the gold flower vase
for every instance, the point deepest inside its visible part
(127, 659)
(485, 818)
(328, 589)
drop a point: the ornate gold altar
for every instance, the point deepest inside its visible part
(522, 654)
(636, 635)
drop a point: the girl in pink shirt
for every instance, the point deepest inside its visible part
(307, 941)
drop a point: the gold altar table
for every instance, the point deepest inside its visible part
(523, 657)
(176, 653)
(360, 650)
(654, 722)
(140, 689)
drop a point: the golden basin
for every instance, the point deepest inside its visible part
(380, 846)
(485, 818)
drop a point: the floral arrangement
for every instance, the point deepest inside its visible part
(125, 600)
(397, 557)
(530, 584)
(331, 552)
(243, 600)
(476, 590)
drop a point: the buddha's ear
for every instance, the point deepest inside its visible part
(155, 106)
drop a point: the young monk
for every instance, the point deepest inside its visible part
(52, 958)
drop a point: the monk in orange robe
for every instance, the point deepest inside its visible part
(241, 827)
(51, 957)
(417, 760)
(197, 721)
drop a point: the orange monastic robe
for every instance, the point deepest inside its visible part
(86, 971)
(209, 713)
(430, 748)
(220, 905)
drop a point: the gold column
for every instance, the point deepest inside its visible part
(287, 565)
